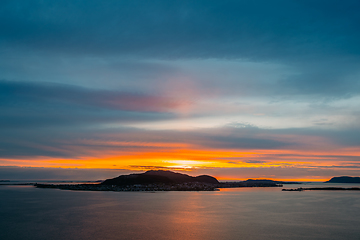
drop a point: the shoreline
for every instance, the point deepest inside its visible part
(321, 189)
(191, 186)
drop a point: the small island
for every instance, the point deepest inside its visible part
(160, 180)
(321, 188)
(343, 179)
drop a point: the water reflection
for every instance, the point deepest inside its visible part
(242, 213)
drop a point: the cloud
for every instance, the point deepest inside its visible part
(35, 173)
(256, 29)
(71, 174)
(38, 119)
(306, 50)
(43, 104)
(80, 78)
(76, 142)
(66, 94)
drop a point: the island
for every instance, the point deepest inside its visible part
(159, 176)
(344, 179)
(322, 188)
(161, 180)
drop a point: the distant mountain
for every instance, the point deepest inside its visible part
(269, 181)
(158, 176)
(344, 179)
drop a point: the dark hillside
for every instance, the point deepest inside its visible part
(159, 176)
(344, 179)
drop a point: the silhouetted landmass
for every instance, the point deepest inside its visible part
(149, 181)
(323, 188)
(270, 181)
(256, 183)
(159, 177)
(192, 186)
(344, 179)
(15, 184)
(161, 181)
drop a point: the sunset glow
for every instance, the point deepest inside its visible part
(176, 156)
(181, 87)
(180, 119)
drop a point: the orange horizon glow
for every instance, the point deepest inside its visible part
(224, 179)
(181, 157)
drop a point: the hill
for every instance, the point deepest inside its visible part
(344, 179)
(264, 181)
(159, 176)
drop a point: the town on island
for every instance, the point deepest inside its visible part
(161, 180)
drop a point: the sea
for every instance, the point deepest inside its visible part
(29, 213)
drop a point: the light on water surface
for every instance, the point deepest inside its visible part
(239, 213)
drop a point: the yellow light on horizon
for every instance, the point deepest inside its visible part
(189, 163)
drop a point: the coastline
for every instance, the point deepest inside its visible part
(190, 186)
(322, 188)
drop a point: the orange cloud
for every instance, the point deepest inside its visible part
(138, 155)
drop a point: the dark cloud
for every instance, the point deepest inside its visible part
(71, 174)
(325, 79)
(77, 142)
(36, 173)
(255, 29)
(44, 104)
(236, 140)
(41, 119)
(16, 92)
(318, 39)
(343, 137)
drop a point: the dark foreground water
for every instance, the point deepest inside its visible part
(258, 213)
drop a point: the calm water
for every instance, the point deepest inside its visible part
(256, 213)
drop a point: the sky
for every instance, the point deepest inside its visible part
(234, 89)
